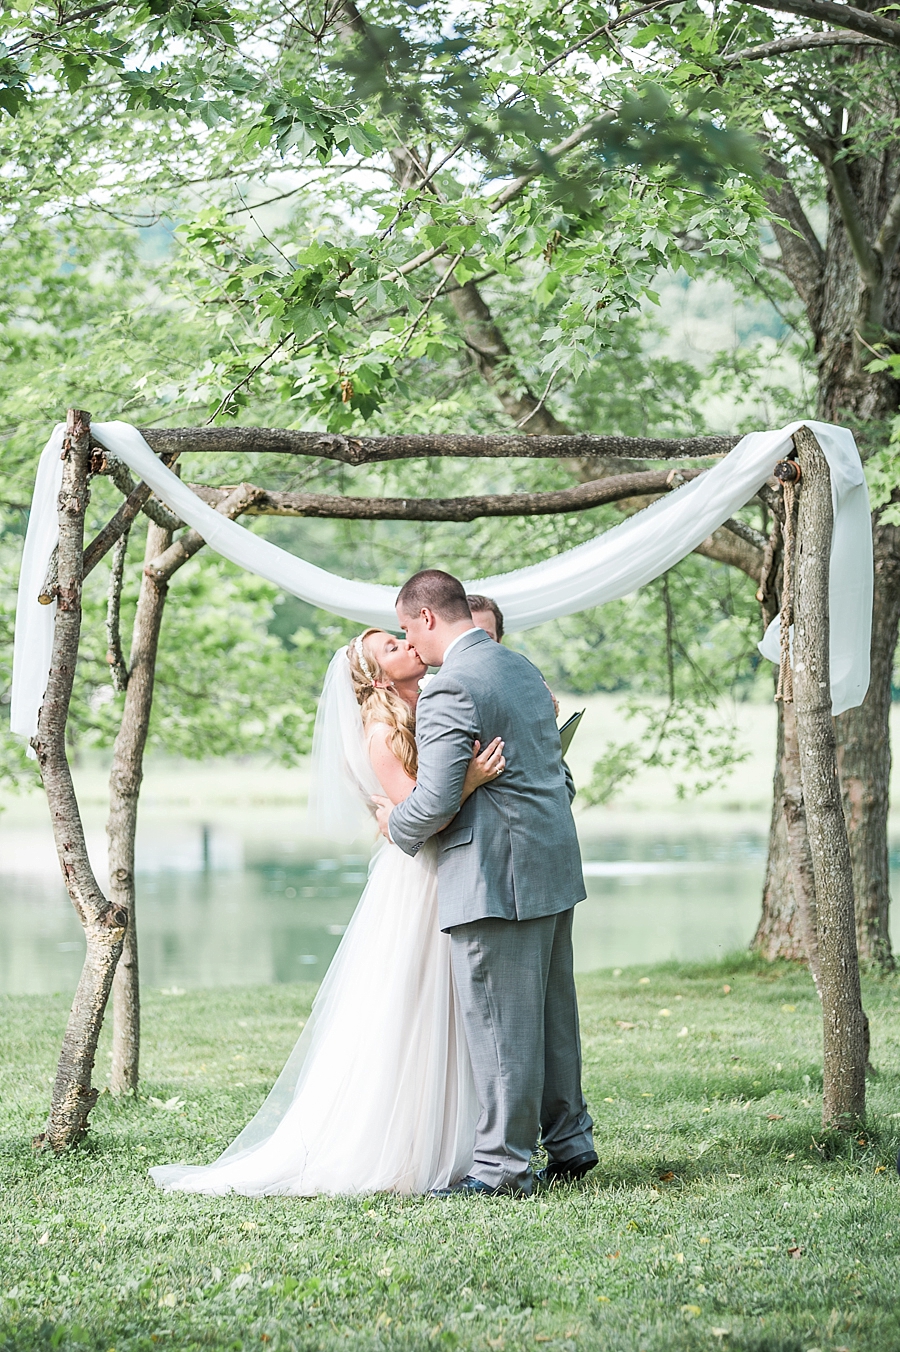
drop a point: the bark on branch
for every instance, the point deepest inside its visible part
(797, 831)
(803, 42)
(104, 924)
(845, 1027)
(103, 542)
(733, 543)
(729, 545)
(177, 554)
(496, 364)
(157, 511)
(114, 657)
(802, 256)
(839, 15)
(888, 237)
(868, 261)
(126, 774)
(333, 506)
(362, 450)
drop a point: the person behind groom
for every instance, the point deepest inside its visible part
(487, 615)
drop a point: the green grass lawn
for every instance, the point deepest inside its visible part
(721, 1216)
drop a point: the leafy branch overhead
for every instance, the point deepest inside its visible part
(519, 164)
(431, 218)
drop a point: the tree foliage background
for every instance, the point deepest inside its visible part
(318, 218)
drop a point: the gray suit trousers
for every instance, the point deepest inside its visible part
(516, 990)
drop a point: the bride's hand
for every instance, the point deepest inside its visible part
(484, 766)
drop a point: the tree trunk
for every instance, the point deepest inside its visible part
(104, 924)
(868, 400)
(848, 300)
(788, 925)
(124, 790)
(496, 364)
(779, 933)
(864, 761)
(162, 558)
(844, 1049)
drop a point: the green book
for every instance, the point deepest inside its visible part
(568, 730)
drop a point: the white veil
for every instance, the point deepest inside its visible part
(343, 780)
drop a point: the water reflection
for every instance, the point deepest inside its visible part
(216, 908)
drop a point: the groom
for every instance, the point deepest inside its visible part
(509, 875)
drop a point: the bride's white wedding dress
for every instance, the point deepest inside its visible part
(377, 1094)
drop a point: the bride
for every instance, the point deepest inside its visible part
(377, 1094)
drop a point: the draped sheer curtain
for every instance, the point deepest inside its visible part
(612, 565)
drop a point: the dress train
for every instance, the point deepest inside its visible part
(377, 1095)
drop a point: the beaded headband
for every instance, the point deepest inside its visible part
(367, 670)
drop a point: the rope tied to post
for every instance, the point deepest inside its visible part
(787, 472)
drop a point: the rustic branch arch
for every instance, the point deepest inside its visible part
(111, 960)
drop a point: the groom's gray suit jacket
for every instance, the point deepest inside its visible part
(511, 851)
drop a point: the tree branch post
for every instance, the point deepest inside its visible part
(104, 924)
(845, 1025)
(797, 831)
(126, 774)
(114, 657)
(793, 804)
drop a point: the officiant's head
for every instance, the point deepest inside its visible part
(487, 615)
(432, 610)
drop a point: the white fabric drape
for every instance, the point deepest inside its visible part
(606, 568)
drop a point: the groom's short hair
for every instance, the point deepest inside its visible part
(441, 592)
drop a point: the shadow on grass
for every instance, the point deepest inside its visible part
(740, 963)
(746, 1156)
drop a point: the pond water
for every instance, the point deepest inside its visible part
(236, 903)
(245, 897)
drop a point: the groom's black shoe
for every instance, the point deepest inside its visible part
(474, 1187)
(567, 1171)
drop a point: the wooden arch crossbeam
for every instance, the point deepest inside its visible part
(365, 450)
(740, 544)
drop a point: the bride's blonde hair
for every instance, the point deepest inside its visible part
(380, 703)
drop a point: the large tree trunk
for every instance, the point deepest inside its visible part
(864, 761)
(124, 791)
(844, 1050)
(104, 924)
(868, 400)
(788, 926)
(847, 301)
(864, 764)
(779, 933)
